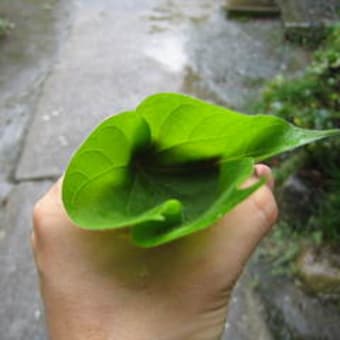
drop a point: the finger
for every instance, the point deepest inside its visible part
(240, 231)
(262, 170)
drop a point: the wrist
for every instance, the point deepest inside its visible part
(78, 319)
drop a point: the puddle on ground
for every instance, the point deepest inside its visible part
(221, 59)
(170, 23)
(168, 51)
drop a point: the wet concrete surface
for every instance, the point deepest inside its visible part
(102, 71)
(235, 58)
(25, 58)
(80, 61)
(21, 315)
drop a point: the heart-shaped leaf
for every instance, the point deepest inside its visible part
(172, 167)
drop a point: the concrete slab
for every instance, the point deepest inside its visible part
(21, 315)
(25, 57)
(234, 58)
(116, 56)
(109, 64)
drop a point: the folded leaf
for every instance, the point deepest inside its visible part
(172, 167)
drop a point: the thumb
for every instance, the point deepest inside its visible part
(240, 231)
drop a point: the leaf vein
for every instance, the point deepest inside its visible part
(93, 179)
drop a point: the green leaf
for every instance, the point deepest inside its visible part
(192, 130)
(172, 167)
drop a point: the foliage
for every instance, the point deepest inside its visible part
(327, 217)
(171, 167)
(282, 247)
(313, 101)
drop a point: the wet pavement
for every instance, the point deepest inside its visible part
(68, 65)
(25, 59)
(21, 314)
(102, 71)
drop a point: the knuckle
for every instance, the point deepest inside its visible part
(266, 207)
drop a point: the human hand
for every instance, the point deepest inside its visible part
(99, 286)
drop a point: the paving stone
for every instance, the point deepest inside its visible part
(21, 316)
(25, 58)
(5, 189)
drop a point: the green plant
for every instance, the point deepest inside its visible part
(171, 167)
(313, 101)
(327, 216)
(283, 246)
